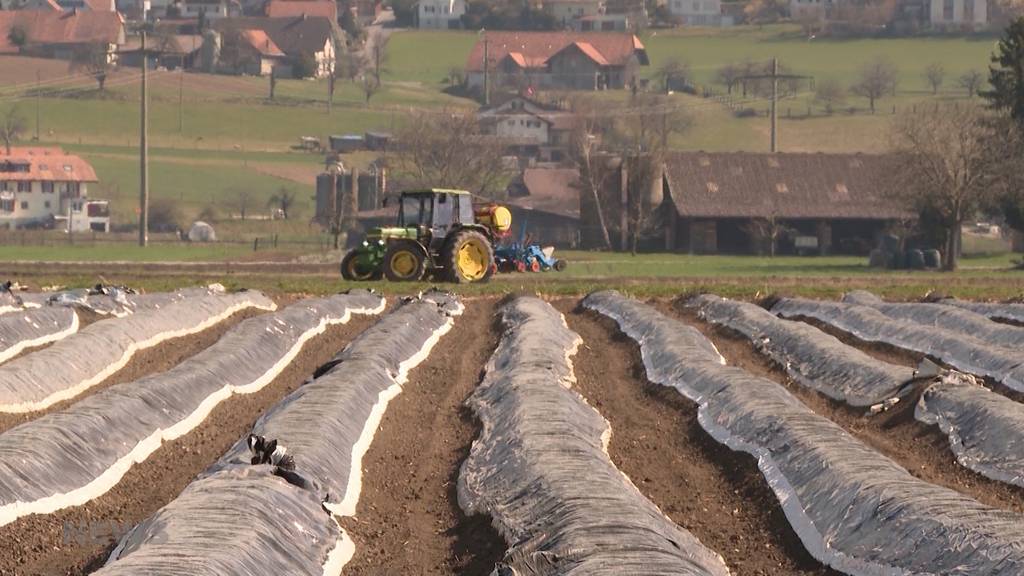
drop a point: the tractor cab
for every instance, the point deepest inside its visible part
(438, 233)
(434, 213)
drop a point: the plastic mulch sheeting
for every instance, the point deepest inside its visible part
(113, 300)
(239, 519)
(813, 358)
(1007, 312)
(69, 457)
(86, 358)
(985, 429)
(540, 468)
(852, 508)
(957, 320)
(34, 327)
(959, 350)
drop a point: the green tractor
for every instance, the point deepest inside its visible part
(438, 234)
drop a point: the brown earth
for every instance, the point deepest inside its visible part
(61, 543)
(408, 520)
(715, 493)
(922, 450)
(159, 358)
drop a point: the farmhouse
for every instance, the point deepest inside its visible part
(439, 14)
(557, 60)
(292, 8)
(545, 205)
(251, 45)
(53, 34)
(699, 12)
(531, 129)
(41, 185)
(733, 202)
(568, 11)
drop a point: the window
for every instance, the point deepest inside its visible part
(968, 10)
(947, 10)
(3, 186)
(6, 204)
(46, 204)
(24, 205)
(47, 187)
(24, 186)
(73, 188)
(696, 6)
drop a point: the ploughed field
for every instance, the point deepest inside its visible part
(207, 432)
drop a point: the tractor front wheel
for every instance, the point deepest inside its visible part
(469, 257)
(354, 270)
(405, 262)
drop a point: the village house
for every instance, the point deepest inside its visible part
(251, 45)
(531, 129)
(292, 8)
(699, 12)
(545, 206)
(567, 12)
(51, 34)
(209, 10)
(603, 23)
(556, 60)
(46, 186)
(954, 13)
(439, 14)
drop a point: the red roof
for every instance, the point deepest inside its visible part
(45, 27)
(291, 8)
(45, 165)
(608, 48)
(259, 40)
(551, 190)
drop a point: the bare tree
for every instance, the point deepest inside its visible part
(446, 149)
(877, 79)
(242, 202)
(729, 75)
(349, 65)
(672, 73)
(370, 86)
(13, 128)
(934, 74)
(283, 200)
(378, 54)
(92, 59)
(588, 125)
(767, 230)
(830, 93)
(971, 81)
(948, 166)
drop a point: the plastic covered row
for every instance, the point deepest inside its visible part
(252, 520)
(853, 508)
(1001, 311)
(811, 357)
(985, 429)
(959, 350)
(71, 456)
(952, 318)
(86, 358)
(541, 471)
(33, 327)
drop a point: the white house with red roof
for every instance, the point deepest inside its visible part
(556, 60)
(45, 186)
(439, 14)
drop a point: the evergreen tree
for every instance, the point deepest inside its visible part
(1006, 75)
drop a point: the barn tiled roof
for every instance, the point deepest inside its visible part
(259, 40)
(45, 165)
(749, 185)
(290, 8)
(299, 35)
(615, 48)
(47, 27)
(551, 190)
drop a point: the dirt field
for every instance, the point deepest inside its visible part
(60, 543)
(408, 520)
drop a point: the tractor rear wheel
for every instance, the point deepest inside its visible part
(405, 262)
(468, 257)
(353, 270)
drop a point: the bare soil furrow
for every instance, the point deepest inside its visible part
(77, 540)
(408, 520)
(718, 495)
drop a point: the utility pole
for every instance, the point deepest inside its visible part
(487, 72)
(774, 76)
(330, 92)
(273, 81)
(181, 96)
(144, 154)
(38, 90)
